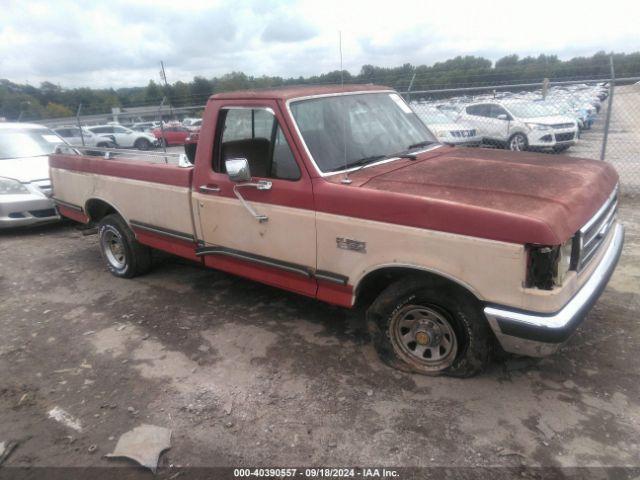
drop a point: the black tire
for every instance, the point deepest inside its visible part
(142, 144)
(123, 255)
(523, 139)
(103, 145)
(462, 312)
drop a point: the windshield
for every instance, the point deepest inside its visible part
(356, 129)
(434, 117)
(22, 142)
(531, 110)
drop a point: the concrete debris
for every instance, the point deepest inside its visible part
(92, 448)
(5, 450)
(545, 429)
(59, 415)
(143, 444)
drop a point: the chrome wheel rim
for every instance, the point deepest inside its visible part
(113, 248)
(517, 143)
(424, 336)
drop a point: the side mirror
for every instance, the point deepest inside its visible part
(238, 169)
(502, 116)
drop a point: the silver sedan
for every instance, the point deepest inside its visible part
(25, 186)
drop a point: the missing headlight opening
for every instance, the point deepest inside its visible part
(542, 268)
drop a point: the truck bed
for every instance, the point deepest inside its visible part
(142, 192)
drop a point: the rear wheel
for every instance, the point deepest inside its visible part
(122, 253)
(426, 325)
(518, 142)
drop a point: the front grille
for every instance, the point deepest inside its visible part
(563, 125)
(590, 237)
(47, 212)
(564, 137)
(463, 133)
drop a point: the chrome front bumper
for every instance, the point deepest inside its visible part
(540, 334)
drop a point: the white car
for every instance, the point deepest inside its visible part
(192, 122)
(25, 185)
(126, 137)
(519, 125)
(72, 136)
(447, 130)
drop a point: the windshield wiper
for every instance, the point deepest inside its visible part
(359, 163)
(420, 144)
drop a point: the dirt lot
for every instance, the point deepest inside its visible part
(246, 375)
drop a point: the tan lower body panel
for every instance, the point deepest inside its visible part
(164, 206)
(289, 235)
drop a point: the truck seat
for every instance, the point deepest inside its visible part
(255, 150)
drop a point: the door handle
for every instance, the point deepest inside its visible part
(209, 189)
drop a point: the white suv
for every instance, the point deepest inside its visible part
(521, 125)
(73, 137)
(126, 137)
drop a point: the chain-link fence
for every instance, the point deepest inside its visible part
(597, 119)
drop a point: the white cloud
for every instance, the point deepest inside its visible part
(120, 43)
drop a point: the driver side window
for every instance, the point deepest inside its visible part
(255, 134)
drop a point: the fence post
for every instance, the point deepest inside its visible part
(162, 140)
(78, 122)
(545, 88)
(607, 122)
(410, 86)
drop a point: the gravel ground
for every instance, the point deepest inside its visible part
(247, 375)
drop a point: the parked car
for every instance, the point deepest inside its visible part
(73, 136)
(521, 125)
(447, 130)
(171, 135)
(125, 137)
(341, 193)
(191, 122)
(25, 187)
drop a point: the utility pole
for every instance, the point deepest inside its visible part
(163, 76)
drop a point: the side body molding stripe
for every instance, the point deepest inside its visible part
(270, 262)
(162, 231)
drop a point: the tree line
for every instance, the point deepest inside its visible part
(27, 102)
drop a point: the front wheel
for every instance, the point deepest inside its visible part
(122, 253)
(518, 142)
(142, 144)
(426, 325)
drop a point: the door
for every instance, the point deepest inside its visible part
(498, 121)
(263, 229)
(124, 136)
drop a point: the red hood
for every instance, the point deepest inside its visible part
(516, 197)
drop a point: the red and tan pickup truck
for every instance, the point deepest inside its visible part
(342, 194)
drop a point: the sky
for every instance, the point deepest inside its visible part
(119, 43)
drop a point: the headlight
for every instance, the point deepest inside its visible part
(538, 126)
(564, 261)
(548, 266)
(9, 186)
